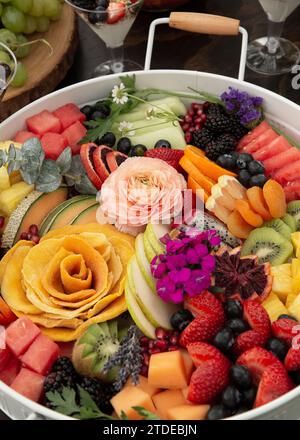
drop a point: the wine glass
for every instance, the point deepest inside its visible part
(8, 68)
(274, 55)
(111, 22)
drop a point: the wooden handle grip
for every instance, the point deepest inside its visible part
(204, 23)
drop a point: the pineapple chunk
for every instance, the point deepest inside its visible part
(274, 307)
(294, 308)
(15, 177)
(295, 237)
(295, 268)
(282, 280)
(290, 299)
(4, 179)
(11, 197)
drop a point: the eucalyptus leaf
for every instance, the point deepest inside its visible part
(30, 168)
(49, 178)
(85, 186)
(11, 152)
(3, 157)
(33, 147)
(64, 161)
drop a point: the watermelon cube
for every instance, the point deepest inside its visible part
(44, 122)
(69, 114)
(278, 145)
(41, 355)
(20, 334)
(29, 384)
(280, 160)
(253, 134)
(5, 357)
(23, 136)
(73, 135)
(10, 371)
(53, 145)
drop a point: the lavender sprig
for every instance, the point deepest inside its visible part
(128, 357)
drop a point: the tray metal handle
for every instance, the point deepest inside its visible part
(202, 24)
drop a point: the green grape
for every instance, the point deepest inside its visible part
(13, 19)
(51, 8)
(30, 25)
(22, 52)
(7, 37)
(37, 9)
(58, 15)
(42, 24)
(21, 76)
(22, 5)
(5, 58)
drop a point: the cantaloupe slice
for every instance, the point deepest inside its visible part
(129, 397)
(168, 399)
(188, 412)
(69, 214)
(188, 363)
(87, 216)
(167, 370)
(143, 385)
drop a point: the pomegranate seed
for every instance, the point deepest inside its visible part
(174, 339)
(190, 113)
(160, 333)
(144, 371)
(188, 138)
(35, 239)
(188, 119)
(200, 112)
(145, 349)
(198, 121)
(146, 359)
(151, 344)
(154, 351)
(144, 341)
(24, 236)
(172, 348)
(203, 118)
(198, 126)
(34, 230)
(2, 221)
(161, 344)
(206, 105)
(192, 129)
(196, 106)
(185, 127)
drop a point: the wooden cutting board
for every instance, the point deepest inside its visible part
(45, 71)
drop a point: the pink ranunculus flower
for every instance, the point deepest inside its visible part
(142, 190)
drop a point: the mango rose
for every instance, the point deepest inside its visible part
(73, 278)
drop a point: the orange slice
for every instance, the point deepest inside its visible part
(195, 187)
(206, 166)
(248, 214)
(205, 182)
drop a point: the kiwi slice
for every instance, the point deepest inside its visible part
(290, 221)
(293, 208)
(280, 227)
(268, 245)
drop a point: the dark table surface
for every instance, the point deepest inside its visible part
(179, 50)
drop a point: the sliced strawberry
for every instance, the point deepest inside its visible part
(116, 11)
(201, 352)
(206, 301)
(201, 329)
(209, 380)
(292, 359)
(274, 383)
(257, 359)
(285, 329)
(257, 318)
(247, 340)
(114, 159)
(172, 157)
(99, 158)
(86, 154)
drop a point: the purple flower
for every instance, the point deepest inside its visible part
(199, 281)
(208, 263)
(176, 261)
(159, 270)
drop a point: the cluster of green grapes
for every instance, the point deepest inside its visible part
(20, 18)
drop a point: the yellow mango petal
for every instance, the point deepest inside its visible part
(74, 265)
(10, 253)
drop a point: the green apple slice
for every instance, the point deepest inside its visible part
(154, 232)
(137, 315)
(143, 262)
(155, 309)
(149, 251)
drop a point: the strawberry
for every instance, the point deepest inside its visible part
(292, 359)
(274, 383)
(205, 301)
(257, 359)
(257, 318)
(201, 329)
(172, 157)
(247, 340)
(201, 352)
(208, 381)
(285, 329)
(116, 11)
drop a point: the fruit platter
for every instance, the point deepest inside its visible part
(150, 251)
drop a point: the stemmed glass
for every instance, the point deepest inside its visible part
(274, 55)
(111, 22)
(8, 68)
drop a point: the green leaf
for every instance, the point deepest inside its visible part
(129, 82)
(49, 178)
(85, 186)
(147, 415)
(99, 128)
(123, 416)
(64, 160)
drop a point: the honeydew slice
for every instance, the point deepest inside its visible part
(143, 262)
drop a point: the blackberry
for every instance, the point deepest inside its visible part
(225, 143)
(64, 364)
(101, 393)
(236, 128)
(202, 138)
(55, 381)
(216, 120)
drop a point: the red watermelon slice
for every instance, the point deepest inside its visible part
(278, 145)
(281, 160)
(41, 355)
(29, 384)
(261, 141)
(292, 190)
(289, 173)
(20, 334)
(252, 135)
(10, 371)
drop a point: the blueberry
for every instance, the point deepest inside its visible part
(232, 397)
(218, 412)
(103, 108)
(97, 114)
(244, 177)
(138, 150)
(277, 347)
(237, 325)
(249, 396)
(240, 377)
(124, 145)
(246, 157)
(183, 325)
(162, 143)
(103, 3)
(179, 317)
(227, 161)
(284, 316)
(108, 139)
(224, 340)
(233, 308)
(258, 180)
(256, 167)
(87, 110)
(241, 164)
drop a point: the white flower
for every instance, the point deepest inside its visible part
(126, 128)
(119, 95)
(150, 113)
